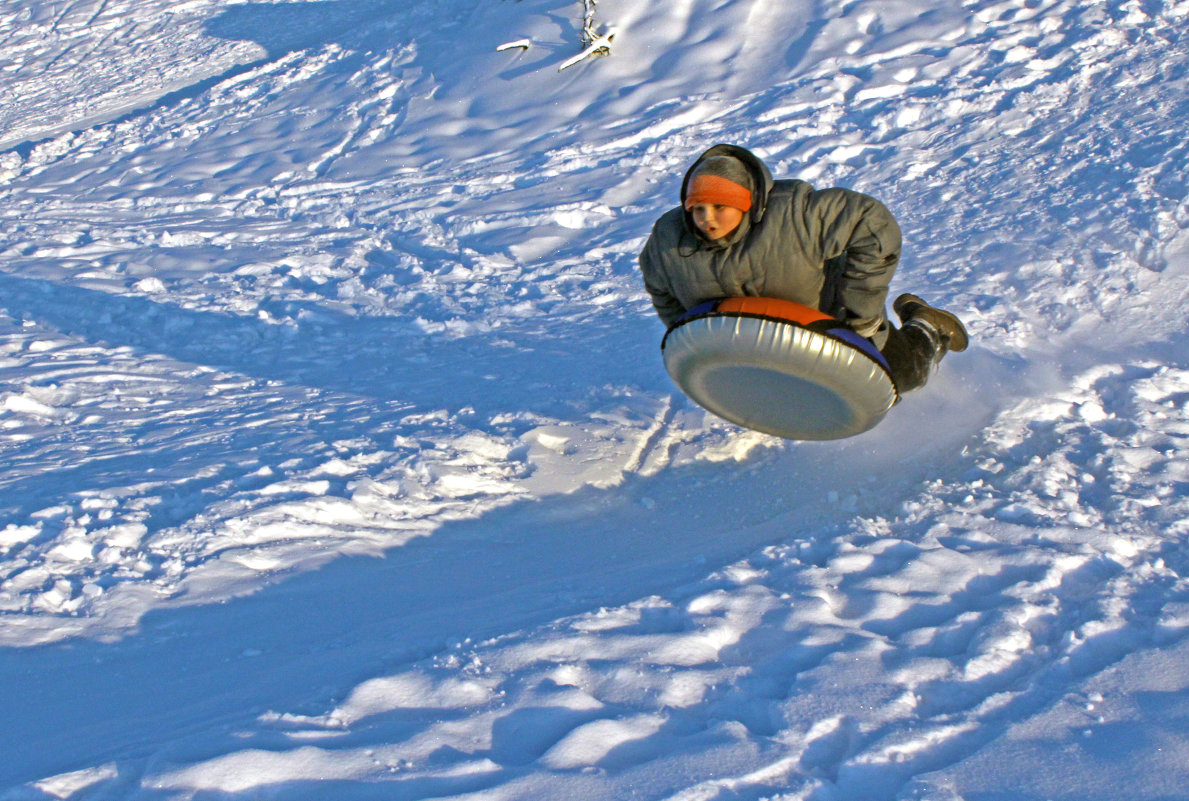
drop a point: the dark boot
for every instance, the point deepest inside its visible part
(948, 327)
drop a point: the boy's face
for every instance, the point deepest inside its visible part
(715, 221)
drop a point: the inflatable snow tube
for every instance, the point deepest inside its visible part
(779, 367)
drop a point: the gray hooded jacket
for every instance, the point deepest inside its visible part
(834, 250)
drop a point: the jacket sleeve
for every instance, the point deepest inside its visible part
(668, 308)
(861, 230)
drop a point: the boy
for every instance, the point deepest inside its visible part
(740, 233)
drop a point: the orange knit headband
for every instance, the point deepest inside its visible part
(717, 190)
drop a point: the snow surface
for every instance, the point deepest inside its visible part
(339, 461)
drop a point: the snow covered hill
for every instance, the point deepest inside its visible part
(338, 461)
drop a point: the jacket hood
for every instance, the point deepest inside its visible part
(761, 177)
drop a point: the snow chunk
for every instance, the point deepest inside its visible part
(591, 743)
(23, 404)
(12, 535)
(411, 691)
(70, 785)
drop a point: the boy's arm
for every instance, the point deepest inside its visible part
(861, 229)
(668, 308)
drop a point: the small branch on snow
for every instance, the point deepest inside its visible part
(593, 42)
(588, 32)
(600, 46)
